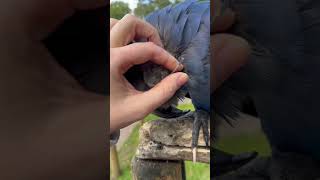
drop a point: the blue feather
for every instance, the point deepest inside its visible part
(185, 32)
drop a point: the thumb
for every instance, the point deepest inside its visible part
(163, 91)
(225, 63)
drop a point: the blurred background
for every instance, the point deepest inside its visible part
(129, 139)
(139, 8)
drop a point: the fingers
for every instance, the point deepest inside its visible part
(225, 63)
(223, 19)
(113, 22)
(229, 52)
(129, 28)
(223, 22)
(139, 53)
(162, 92)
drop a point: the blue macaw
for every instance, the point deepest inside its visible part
(185, 32)
(280, 83)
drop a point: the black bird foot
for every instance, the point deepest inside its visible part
(201, 119)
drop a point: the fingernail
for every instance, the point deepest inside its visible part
(180, 66)
(182, 79)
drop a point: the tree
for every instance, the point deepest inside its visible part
(118, 9)
(144, 7)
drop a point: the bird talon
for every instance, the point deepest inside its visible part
(194, 155)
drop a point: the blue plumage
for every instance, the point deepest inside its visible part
(281, 78)
(185, 32)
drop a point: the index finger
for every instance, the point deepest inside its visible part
(139, 53)
(224, 21)
(129, 28)
(113, 22)
(223, 17)
(231, 52)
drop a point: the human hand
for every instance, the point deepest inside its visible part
(52, 128)
(230, 52)
(127, 104)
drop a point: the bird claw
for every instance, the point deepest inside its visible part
(201, 120)
(194, 155)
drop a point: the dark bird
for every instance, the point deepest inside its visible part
(185, 32)
(280, 83)
(80, 44)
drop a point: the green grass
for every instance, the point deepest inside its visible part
(126, 153)
(245, 142)
(195, 171)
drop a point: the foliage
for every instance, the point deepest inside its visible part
(144, 7)
(118, 9)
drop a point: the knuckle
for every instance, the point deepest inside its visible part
(129, 17)
(150, 46)
(113, 20)
(154, 29)
(151, 30)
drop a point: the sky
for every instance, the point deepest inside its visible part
(132, 3)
